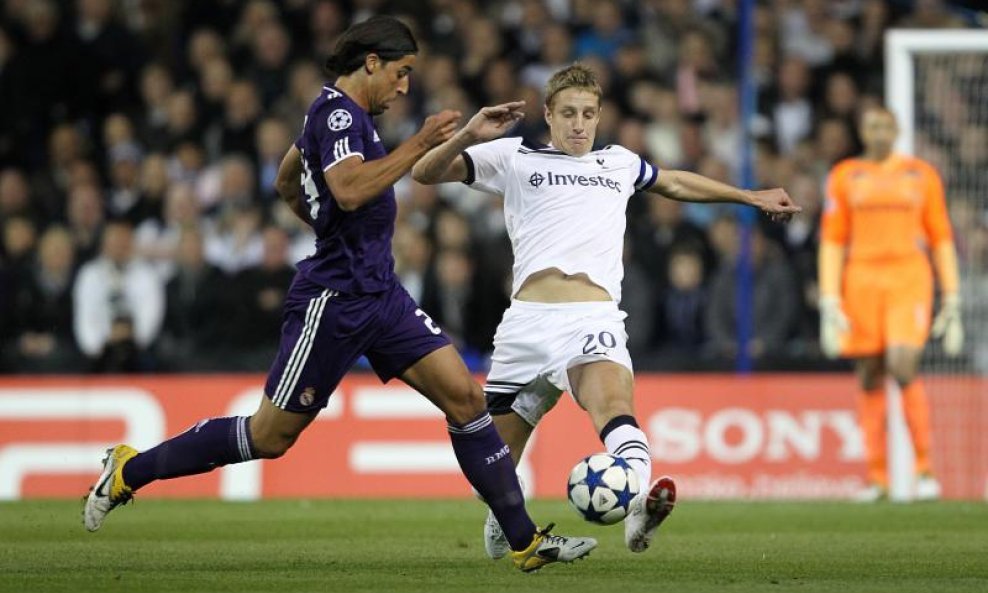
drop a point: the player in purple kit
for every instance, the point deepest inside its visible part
(346, 302)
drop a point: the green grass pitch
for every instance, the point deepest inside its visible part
(434, 546)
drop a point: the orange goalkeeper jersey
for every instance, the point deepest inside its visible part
(887, 210)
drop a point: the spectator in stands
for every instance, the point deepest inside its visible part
(236, 130)
(41, 59)
(156, 239)
(196, 335)
(52, 182)
(15, 195)
(118, 305)
(40, 335)
(660, 232)
(205, 44)
(183, 120)
(125, 193)
(412, 255)
(270, 144)
(679, 331)
(156, 86)
(805, 32)
(18, 236)
(153, 186)
(85, 215)
(792, 114)
(262, 293)
(482, 45)
(607, 34)
(215, 81)
(774, 304)
(304, 84)
(448, 298)
(841, 97)
(555, 52)
(268, 67)
(106, 59)
(233, 241)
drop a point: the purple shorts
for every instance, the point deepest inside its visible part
(325, 331)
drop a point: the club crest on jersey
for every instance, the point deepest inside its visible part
(339, 119)
(308, 396)
(550, 179)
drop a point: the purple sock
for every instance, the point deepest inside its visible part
(486, 463)
(209, 444)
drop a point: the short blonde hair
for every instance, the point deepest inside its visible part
(574, 76)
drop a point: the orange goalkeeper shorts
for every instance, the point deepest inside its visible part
(887, 304)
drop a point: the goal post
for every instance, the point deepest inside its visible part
(902, 46)
(936, 83)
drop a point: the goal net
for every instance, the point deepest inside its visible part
(937, 85)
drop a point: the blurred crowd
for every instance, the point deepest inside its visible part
(139, 141)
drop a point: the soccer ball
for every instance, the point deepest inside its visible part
(601, 488)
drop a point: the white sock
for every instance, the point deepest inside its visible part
(629, 443)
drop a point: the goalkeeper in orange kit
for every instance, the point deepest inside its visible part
(885, 215)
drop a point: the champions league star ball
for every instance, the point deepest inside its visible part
(601, 488)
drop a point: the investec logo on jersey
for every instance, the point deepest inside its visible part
(551, 179)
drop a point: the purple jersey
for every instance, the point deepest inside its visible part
(353, 249)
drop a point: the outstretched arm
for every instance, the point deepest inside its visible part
(445, 162)
(690, 187)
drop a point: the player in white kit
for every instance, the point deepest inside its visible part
(565, 212)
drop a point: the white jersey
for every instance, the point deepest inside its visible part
(562, 211)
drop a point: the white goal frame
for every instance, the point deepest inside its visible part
(901, 47)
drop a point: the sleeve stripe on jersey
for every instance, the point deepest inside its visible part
(653, 173)
(471, 171)
(341, 148)
(641, 171)
(341, 152)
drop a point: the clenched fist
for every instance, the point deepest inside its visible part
(438, 128)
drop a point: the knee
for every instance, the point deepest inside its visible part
(465, 403)
(903, 376)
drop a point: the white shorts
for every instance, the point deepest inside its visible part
(537, 343)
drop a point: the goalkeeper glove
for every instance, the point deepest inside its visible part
(947, 325)
(833, 323)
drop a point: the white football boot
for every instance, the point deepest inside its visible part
(648, 510)
(547, 548)
(927, 488)
(110, 491)
(495, 544)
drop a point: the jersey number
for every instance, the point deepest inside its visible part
(429, 323)
(311, 192)
(605, 339)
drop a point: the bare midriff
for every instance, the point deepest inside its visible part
(553, 286)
